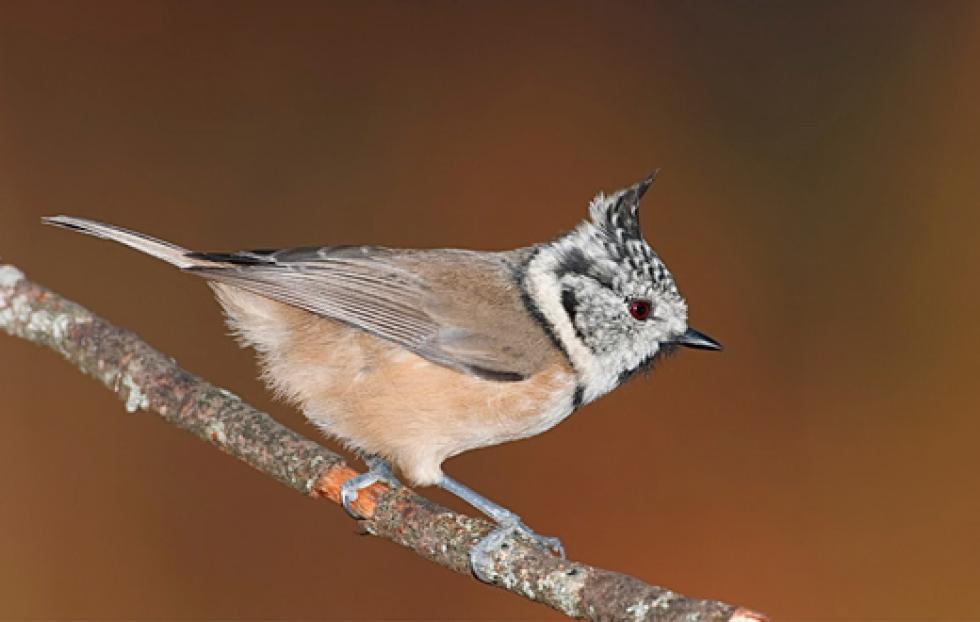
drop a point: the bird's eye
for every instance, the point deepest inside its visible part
(640, 309)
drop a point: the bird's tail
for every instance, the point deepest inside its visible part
(171, 253)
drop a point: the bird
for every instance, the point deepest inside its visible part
(411, 356)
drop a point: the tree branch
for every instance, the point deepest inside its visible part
(149, 380)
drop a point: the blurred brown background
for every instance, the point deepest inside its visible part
(817, 205)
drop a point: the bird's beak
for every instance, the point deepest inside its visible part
(696, 339)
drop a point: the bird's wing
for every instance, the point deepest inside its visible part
(462, 309)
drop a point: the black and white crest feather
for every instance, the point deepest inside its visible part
(610, 247)
(619, 216)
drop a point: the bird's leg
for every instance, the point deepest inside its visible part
(507, 524)
(379, 470)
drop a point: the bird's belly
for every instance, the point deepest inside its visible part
(419, 413)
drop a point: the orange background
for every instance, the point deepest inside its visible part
(817, 206)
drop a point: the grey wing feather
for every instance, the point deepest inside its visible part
(462, 309)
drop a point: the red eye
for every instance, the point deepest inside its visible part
(640, 309)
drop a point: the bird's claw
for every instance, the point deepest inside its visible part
(380, 471)
(550, 543)
(482, 553)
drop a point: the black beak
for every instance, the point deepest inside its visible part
(696, 339)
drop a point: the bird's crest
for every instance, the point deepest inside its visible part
(613, 241)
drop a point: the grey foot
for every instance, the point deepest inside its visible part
(482, 553)
(379, 471)
(508, 523)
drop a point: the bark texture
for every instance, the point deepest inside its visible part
(144, 378)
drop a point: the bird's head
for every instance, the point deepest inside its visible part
(610, 300)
